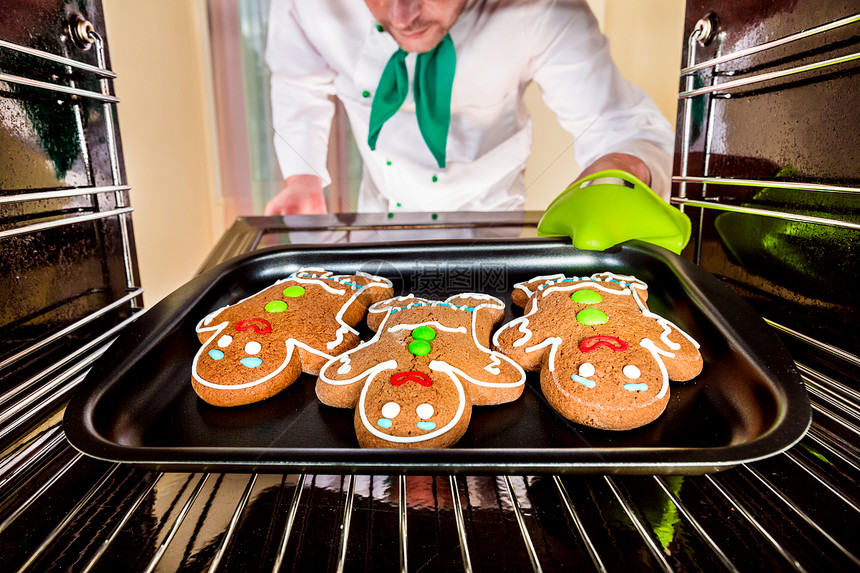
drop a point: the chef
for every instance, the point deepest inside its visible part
(433, 90)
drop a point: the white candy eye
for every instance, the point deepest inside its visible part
(631, 372)
(587, 370)
(225, 341)
(253, 347)
(391, 409)
(424, 411)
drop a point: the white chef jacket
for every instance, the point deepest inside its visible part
(316, 49)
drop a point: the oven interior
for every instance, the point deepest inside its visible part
(767, 170)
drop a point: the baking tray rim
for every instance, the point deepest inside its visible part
(716, 461)
(785, 431)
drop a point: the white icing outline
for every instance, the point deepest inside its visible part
(290, 343)
(413, 439)
(655, 352)
(434, 323)
(588, 285)
(435, 365)
(344, 328)
(493, 354)
(522, 286)
(346, 366)
(371, 372)
(524, 328)
(493, 367)
(386, 306)
(203, 325)
(635, 286)
(377, 307)
(496, 357)
(476, 382)
(317, 281)
(555, 341)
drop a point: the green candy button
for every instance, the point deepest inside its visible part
(586, 297)
(419, 347)
(294, 291)
(591, 317)
(424, 333)
(276, 306)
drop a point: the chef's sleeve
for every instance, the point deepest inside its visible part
(301, 90)
(603, 111)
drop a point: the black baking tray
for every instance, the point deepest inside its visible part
(137, 405)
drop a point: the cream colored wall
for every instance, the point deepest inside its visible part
(645, 40)
(159, 50)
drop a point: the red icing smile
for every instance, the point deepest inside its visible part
(257, 324)
(411, 376)
(594, 342)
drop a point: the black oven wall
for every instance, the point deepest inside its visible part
(69, 271)
(767, 164)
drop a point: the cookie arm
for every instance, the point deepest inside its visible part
(339, 383)
(523, 339)
(680, 352)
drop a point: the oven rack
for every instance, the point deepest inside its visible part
(703, 33)
(83, 33)
(795, 511)
(719, 194)
(34, 395)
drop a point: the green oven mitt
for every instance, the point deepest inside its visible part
(602, 215)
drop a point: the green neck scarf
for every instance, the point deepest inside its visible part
(434, 77)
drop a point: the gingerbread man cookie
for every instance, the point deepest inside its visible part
(605, 360)
(257, 347)
(414, 384)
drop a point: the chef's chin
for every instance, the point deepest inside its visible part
(420, 42)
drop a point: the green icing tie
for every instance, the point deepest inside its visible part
(434, 78)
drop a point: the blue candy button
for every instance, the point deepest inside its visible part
(216, 354)
(426, 426)
(638, 387)
(584, 381)
(251, 361)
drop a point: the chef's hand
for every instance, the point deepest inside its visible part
(301, 195)
(629, 163)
